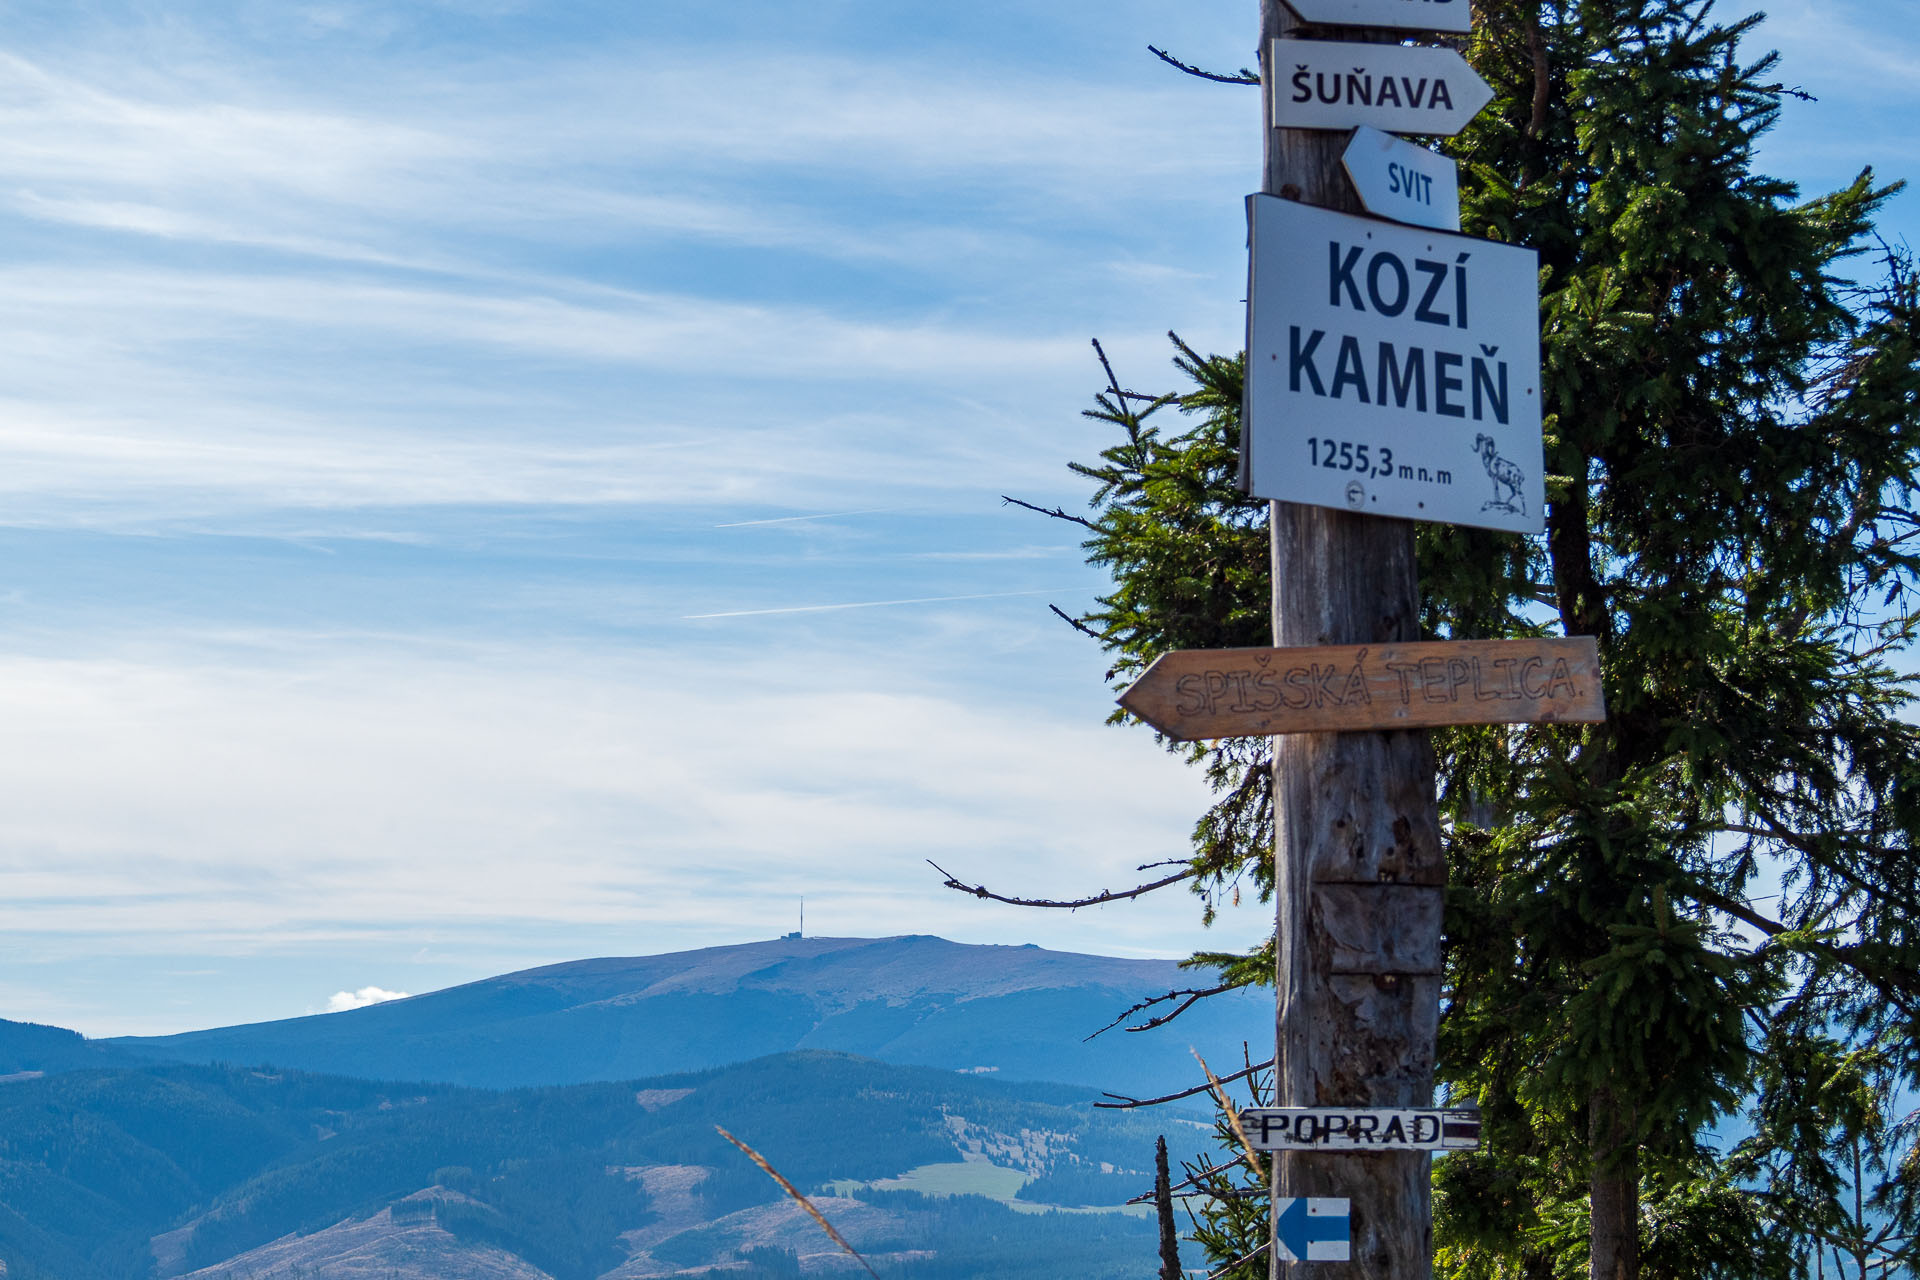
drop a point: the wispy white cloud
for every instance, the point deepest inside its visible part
(215, 809)
(341, 1001)
(63, 128)
(1841, 47)
(640, 139)
(415, 323)
(651, 330)
(143, 390)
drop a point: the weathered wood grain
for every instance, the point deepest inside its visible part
(1349, 807)
(1195, 694)
(1378, 928)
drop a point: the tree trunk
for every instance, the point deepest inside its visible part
(1359, 872)
(1163, 1201)
(1615, 1190)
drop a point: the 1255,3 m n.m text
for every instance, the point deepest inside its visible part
(1345, 455)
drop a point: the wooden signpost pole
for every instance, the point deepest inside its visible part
(1357, 857)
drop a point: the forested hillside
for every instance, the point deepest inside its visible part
(122, 1174)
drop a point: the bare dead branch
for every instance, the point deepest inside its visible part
(1074, 622)
(1055, 512)
(1120, 394)
(1847, 957)
(1121, 1102)
(1212, 1275)
(1193, 995)
(1211, 1171)
(1193, 998)
(981, 891)
(1246, 75)
(1778, 830)
(1113, 382)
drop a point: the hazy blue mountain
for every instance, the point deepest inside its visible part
(212, 1172)
(1018, 1013)
(27, 1047)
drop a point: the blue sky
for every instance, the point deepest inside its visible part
(489, 483)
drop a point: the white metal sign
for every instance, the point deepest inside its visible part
(1391, 370)
(1407, 15)
(1361, 1128)
(1333, 84)
(1398, 180)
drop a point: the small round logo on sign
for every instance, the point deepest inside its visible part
(1356, 494)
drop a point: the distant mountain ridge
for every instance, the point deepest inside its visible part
(1022, 1013)
(28, 1048)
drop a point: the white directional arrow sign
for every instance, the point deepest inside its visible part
(1398, 180)
(1407, 15)
(1332, 84)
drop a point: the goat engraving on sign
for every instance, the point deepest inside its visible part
(1508, 479)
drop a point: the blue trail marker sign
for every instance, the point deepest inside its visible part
(1392, 370)
(1398, 180)
(1312, 1229)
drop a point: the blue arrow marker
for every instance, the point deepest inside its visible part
(1313, 1229)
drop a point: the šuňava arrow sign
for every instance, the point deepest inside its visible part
(1398, 180)
(1313, 1229)
(1333, 84)
(1195, 694)
(1361, 1128)
(1404, 15)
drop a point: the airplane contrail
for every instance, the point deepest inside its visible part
(863, 604)
(825, 515)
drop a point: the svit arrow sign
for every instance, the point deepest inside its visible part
(1331, 84)
(1406, 15)
(1312, 1229)
(1398, 180)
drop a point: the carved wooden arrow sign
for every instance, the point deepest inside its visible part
(1195, 694)
(1404, 15)
(1333, 84)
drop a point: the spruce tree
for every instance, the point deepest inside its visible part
(1710, 904)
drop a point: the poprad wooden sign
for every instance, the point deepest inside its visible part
(1361, 1128)
(1195, 694)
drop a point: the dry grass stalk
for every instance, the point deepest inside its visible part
(803, 1202)
(1233, 1115)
